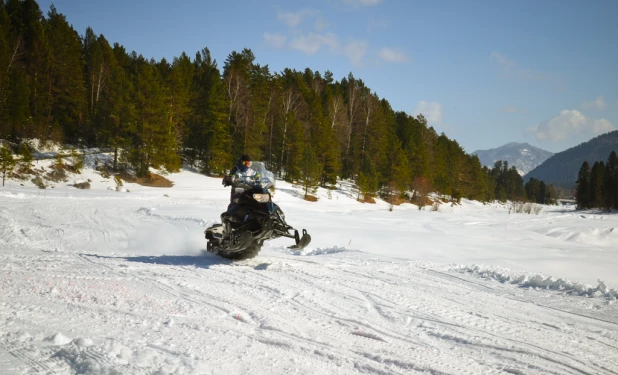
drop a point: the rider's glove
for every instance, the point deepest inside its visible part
(227, 181)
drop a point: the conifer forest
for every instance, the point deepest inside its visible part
(58, 85)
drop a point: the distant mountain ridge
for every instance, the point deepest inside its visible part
(521, 155)
(561, 169)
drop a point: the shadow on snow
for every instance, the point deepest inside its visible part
(199, 261)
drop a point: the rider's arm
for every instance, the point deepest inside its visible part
(227, 180)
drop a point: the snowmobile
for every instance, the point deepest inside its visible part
(256, 219)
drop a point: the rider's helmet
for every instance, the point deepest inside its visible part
(245, 161)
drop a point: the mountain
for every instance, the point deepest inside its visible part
(521, 155)
(561, 169)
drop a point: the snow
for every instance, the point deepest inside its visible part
(101, 281)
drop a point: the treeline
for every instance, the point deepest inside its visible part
(57, 85)
(597, 187)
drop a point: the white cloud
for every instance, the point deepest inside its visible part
(598, 103)
(320, 24)
(602, 126)
(432, 111)
(361, 3)
(313, 42)
(293, 19)
(393, 55)
(570, 124)
(275, 40)
(502, 60)
(356, 51)
(378, 23)
(511, 70)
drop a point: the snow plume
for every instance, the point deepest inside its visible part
(539, 281)
(159, 234)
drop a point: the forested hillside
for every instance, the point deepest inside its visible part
(562, 168)
(58, 85)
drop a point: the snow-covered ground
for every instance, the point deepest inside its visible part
(104, 282)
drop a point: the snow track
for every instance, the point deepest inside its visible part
(114, 286)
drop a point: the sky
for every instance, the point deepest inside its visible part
(485, 73)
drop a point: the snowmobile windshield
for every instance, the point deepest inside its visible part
(256, 176)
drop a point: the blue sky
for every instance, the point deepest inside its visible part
(483, 72)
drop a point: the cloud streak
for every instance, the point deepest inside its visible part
(294, 19)
(432, 111)
(276, 41)
(393, 55)
(311, 43)
(598, 103)
(570, 124)
(356, 51)
(511, 70)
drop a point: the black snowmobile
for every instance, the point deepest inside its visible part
(256, 219)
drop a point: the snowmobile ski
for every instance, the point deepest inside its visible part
(301, 242)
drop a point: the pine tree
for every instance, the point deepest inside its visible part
(5, 61)
(36, 61)
(219, 143)
(236, 73)
(367, 180)
(597, 172)
(181, 79)
(207, 139)
(400, 175)
(117, 110)
(255, 130)
(311, 171)
(611, 181)
(533, 189)
(542, 197)
(65, 105)
(26, 158)
(294, 151)
(7, 162)
(154, 139)
(289, 132)
(582, 194)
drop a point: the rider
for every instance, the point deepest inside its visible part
(242, 166)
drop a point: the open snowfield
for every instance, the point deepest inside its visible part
(104, 282)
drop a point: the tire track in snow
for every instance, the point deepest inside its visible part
(19, 352)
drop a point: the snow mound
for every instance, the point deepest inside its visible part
(319, 251)
(506, 276)
(59, 339)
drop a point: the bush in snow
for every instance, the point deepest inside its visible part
(77, 160)
(536, 209)
(527, 208)
(26, 158)
(82, 185)
(38, 181)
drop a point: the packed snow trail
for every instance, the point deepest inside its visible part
(115, 284)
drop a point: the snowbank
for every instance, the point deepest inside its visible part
(539, 281)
